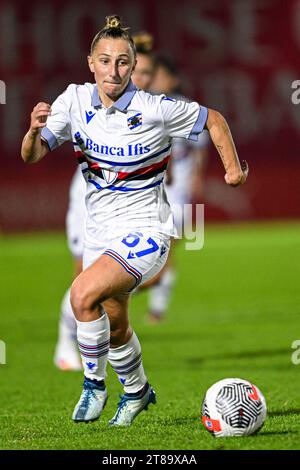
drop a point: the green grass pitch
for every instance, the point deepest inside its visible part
(235, 313)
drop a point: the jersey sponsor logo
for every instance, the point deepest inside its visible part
(128, 151)
(89, 115)
(135, 121)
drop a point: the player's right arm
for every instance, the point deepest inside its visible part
(33, 147)
(50, 127)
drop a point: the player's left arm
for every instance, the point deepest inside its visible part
(200, 156)
(236, 173)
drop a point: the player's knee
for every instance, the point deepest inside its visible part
(80, 301)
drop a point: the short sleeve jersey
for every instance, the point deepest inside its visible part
(123, 152)
(184, 163)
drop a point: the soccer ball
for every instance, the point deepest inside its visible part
(233, 407)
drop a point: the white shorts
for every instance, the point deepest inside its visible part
(141, 254)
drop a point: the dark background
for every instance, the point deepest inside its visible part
(237, 56)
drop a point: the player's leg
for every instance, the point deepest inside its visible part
(125, 357)
(103, 279)
(160, 295)
(66, 355)
(147, 255)
(105, 283)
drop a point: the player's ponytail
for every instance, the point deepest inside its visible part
(113, 29)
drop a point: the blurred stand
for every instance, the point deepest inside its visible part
(240, 57)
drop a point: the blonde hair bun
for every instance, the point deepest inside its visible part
(113, 21)
(113, 29)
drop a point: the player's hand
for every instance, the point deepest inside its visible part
(236, 179)
(39, 116)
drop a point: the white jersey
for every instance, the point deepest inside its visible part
(123, 152)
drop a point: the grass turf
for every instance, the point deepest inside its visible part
(234, 313)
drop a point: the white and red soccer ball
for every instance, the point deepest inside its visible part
(233, 407)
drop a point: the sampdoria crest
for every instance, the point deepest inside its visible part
(134, 121)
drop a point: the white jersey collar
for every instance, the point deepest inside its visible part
(122, 103)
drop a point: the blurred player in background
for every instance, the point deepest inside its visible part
(66, 355)
(184, 186)
(144, 71)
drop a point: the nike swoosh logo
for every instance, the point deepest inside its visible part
(89, 115)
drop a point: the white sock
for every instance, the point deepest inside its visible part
(160, 294)
(93, 341)
(67, 323)
(126, 361)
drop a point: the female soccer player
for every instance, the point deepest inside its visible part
(122, 138)
(66, 355)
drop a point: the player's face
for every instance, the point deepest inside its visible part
(164, 82)
(143, 72)
(112, 63)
